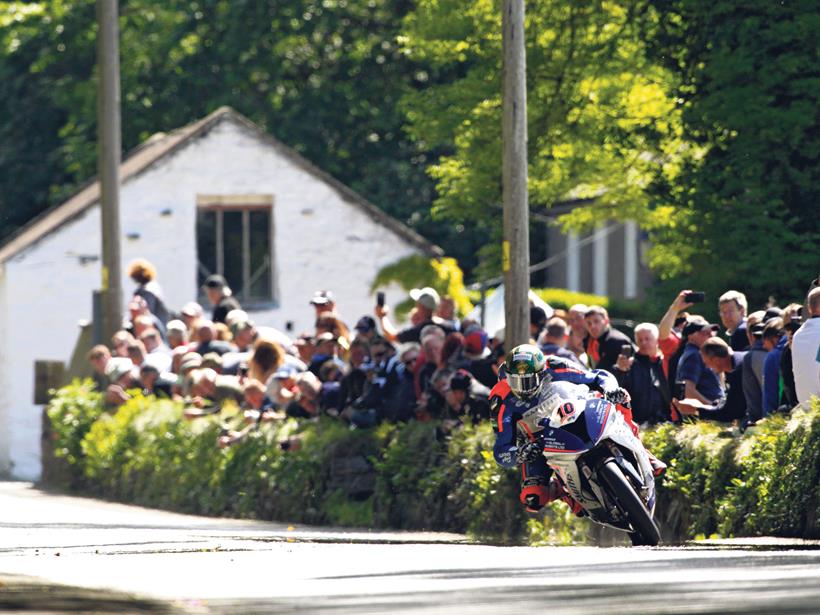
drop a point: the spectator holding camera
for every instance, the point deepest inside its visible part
(670, 332)
(643, 376)
(719, 358)
(806, 351)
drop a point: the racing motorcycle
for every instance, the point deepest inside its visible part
(597, 458)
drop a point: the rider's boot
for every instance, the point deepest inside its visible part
(658, 466)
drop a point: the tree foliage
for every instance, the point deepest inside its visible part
(599, 114)
(746, 204)
(324, 76)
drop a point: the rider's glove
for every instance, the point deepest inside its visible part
(618, 396)
(528, 452)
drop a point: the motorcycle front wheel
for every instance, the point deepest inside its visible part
(628, 502)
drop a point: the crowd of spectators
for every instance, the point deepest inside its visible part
(441, 367)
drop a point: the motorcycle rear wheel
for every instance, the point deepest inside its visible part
(630, 505)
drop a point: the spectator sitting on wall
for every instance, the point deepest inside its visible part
(354, 381)
(120, 374)
(806, 351)
(98, 357)
(177, 333)
(155, 383)
(733, 307)
(207, 342)
(210, 391)
(189, 362)
(258, 408)
(467, 398)
(554, 338)
(644, 378)
(267, 357)
(577, 330)
(719, 357)
(603, 343)
(427, 300)
(220, 296)
(312, 397)
(145, 275)
(774, 341)
(702, 383)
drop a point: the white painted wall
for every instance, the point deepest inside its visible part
(47, 290)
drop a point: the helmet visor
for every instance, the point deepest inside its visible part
(523, 385)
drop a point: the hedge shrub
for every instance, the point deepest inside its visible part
(424, 479)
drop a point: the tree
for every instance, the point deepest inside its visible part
(746, 204)
(323, 76)
(601, 121)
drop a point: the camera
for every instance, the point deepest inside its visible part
(627, 350)
(380, 299)
(679, 390)
(695, 297)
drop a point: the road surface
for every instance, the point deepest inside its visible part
(62, 553)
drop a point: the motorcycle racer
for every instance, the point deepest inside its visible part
(527, 372)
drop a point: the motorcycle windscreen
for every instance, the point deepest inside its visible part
(596, 414)
(561, 441)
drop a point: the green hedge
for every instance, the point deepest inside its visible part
(145, 453)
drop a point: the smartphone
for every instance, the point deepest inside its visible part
(380, 299)
(679, 390)
(695, 297)
(627, 350)
(289, 326)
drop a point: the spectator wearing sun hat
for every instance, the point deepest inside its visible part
(427, 300)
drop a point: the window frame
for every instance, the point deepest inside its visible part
(245, 204)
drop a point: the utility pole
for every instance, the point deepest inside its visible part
(516, 245)
(109, 157)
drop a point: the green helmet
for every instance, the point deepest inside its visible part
(525, 366)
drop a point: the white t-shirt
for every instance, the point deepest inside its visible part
(806, 360)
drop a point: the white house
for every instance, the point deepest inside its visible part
(218, 195)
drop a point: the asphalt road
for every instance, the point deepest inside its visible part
(61, 554)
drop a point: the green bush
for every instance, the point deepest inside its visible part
(72, 411)
(560, 298)
(424, 478)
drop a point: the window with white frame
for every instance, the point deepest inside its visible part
(234, 237)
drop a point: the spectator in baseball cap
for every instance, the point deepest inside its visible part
(702, 383)
(427, 300)
(366, 328)
(323, 301)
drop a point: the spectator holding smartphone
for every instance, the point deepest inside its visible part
(644, 377)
